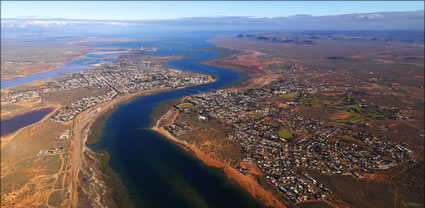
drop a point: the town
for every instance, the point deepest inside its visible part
(19, 97)
(120, 77)
(124, 76)
(284, 144)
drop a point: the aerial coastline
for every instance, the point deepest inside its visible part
(251, 62)
(230, 104)
(249, 184)
(246, 182)
(90, 169)
(86, 159)
(80, 118)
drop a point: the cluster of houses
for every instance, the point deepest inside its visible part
(178, 129)
(15, 97)
(130, 75)
(123, 76)
(51, 151)
(120, 77)
(68, 112)
(56, 150)
(65, 135)
(329, 148)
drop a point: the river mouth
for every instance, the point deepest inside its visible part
(155, 171)
(17, 122)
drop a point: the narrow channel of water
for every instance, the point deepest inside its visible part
(155, 171)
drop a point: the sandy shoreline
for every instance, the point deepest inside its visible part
(81, 129)
(247, 182)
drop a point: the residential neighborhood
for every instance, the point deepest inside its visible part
(284, 144)
(120, 77)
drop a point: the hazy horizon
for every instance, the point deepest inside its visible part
(376, 21)
(166, 10)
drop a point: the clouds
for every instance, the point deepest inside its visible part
(45, 23)
(52, 23)
(370, 16)
(367, 21)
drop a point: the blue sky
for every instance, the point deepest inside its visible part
(146, 10)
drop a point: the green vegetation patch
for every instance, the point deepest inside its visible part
(184, 105)
(285, 132)
(257, 116)
(312, 102)
(146, 79)
(347, 104)
(287, 96)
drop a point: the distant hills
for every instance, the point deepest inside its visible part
(310, 37)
